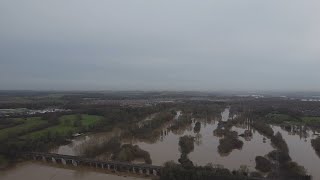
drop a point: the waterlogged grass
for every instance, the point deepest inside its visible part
(28, 125)
(66, 126)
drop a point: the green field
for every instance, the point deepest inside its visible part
(86, 120)
(311, 120)
(281, 118)
(35, 127)
(29, 125)
(66, 126)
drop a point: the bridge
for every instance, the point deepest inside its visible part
(143, 169)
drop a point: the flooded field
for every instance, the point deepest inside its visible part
(165, 147)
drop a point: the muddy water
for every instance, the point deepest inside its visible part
(206, 148)
(39, 171)
(301, 151)
(166, 148)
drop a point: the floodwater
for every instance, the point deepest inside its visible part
(206, 148)
(40, 171)
(165, 147)
(301, 151)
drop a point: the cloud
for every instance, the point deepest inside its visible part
(173, 45)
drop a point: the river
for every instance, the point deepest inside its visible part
(41, 171)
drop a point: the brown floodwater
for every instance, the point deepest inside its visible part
(40, 171)
(301, 151)
(206, 148)
(165, 147)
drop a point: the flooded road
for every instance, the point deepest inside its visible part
(40, 171)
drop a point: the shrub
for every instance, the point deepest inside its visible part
(128, 152)
(280, 143)
(228, 143)
(263, 164)
(279, 156)
(263, 128)
(316, 145)
(186, 144)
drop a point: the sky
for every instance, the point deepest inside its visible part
(207, 45)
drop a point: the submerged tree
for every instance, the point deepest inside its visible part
(316, 145)
(263, 164)
(186, 144)
(197, 127)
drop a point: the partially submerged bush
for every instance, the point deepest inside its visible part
(279, 156)
(228, 143)
(316, 145)
(256, 174)
(263, 164)
(219, 132)
(173, 171)
(197, 127)
(186, 144)
(263, 128)
(293, 169)
(128, 152)
(185, 161)
(280, 143)
(183, 121)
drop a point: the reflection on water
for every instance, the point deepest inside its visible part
(39, 171)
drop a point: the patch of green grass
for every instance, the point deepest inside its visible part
(56, 130)
(281, 118)
(28, 125)
(86, 120)
(89, 120)
(66, 126)
(311, 120)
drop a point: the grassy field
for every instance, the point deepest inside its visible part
(28, 125)
(66, 126)
(281, 118)
(13, 122)
(30, 128)
(86, 120)
(311, 120)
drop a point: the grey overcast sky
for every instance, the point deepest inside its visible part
(160, 45)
